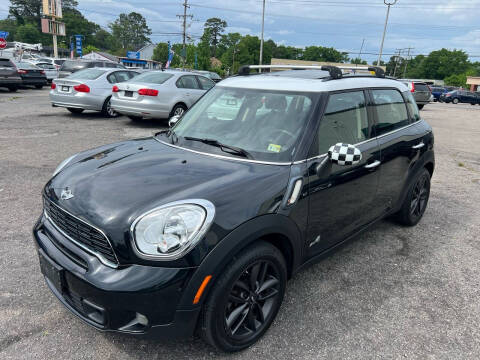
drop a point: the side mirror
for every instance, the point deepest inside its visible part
(344, 154)
(173, 120)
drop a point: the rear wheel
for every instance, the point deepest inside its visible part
(107, 108)
(178, 110)
(39, 87)
(75, 110)
(245, 299)
(420, 107)
(416, 201)
(135, 118)
(455, 101)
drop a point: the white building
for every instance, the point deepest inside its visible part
(146, 53)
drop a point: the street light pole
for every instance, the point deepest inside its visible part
(261, 40)
(388, 3)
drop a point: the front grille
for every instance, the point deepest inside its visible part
(80, 231)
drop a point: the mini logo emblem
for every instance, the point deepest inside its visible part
(66, 194)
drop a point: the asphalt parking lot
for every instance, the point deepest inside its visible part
(394, 292)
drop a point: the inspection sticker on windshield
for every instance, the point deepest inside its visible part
(274, 148)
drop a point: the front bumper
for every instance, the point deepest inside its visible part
(134, 299)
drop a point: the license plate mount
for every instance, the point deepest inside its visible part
(53, 272)
(128, 93)
(65, 88)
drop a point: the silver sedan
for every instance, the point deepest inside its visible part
(89, 89)
(159, 94)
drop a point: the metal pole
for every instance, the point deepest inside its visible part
(55, 47)
(261, 40)
(184, 32)
(385, 29)
(361, 49)
(406, 63)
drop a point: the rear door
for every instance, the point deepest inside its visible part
(422, 92)
(342, 198)
(400, 137)
(190, 89)
(7, 68)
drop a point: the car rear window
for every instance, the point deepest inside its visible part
(421, 87)
(74, 65)
(87, 74)
(6, 63)
(25, 65)
(153, 77)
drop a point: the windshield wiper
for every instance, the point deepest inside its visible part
(225, 148)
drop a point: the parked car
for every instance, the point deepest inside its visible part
(55, 62)
(460, 96)
(9, 77)
(51, 71)
(211, 75)
(437, 91)
(31, 74)
(89, 89)
(200, 226)
(421, 92)
(159, 94)
(71, 66)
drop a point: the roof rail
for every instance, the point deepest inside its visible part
(336, 72)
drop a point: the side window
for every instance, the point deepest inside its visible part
(122, 76)
(412, 106)
(188, 82)
(111, 78)
(206, 84)
(345, 120)
(391, 110)
(132, 74)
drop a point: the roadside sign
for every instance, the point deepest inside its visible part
(133, 55)
(78, 42)
(3, 43)
(4, 34)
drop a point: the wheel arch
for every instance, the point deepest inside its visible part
(278, 230)
(178, 103)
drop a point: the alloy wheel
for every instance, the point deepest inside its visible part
(178, 111)
(252, 300)
(110, 111)
(420, 197)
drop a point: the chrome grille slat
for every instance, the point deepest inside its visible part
(81, 232)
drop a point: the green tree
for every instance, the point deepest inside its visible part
(358, 61)
(90, 48)
(229, 58)
(9, 25)
(460, 79)
(160, 53)
(249, 50)
(77, 24)
(215, 27)
(25, 11)
(320, 53)
(28, 33)
(443, 63)
(131, 31)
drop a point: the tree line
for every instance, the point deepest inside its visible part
(217, 49)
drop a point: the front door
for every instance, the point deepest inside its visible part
(342, 198)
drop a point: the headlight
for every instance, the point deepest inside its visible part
(62, 165)
(170, 231)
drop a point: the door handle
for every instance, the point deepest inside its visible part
(373, 165)
(419, 146)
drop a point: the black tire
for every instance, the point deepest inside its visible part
(455, 101)
(107, 109)
(75, 110)
(416, 202)
(420, 107)
(178, 109)
(39, 87)
(135, 118)
(13, 88)
(232, 307)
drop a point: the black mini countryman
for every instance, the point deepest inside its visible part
(198, 228)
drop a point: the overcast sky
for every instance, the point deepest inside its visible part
(425, 25)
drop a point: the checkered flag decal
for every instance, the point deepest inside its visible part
(344, 154)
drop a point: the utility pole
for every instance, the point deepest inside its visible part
(361, 48)
(261, 40)
(388, 3)
(397, 57)
(406, 62)
(184, 16)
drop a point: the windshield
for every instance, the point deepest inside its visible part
(87, 74)
(153, 77)
(74, 65)
(266, 124)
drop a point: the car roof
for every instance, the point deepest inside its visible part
(297, 84)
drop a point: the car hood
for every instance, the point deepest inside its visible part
(114, 184)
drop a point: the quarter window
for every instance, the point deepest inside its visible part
(391, 110)
(345, 121)
(412, 106)
(207, 84)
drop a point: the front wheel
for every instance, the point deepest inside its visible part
(416, 201)
(75, 110)
(420, 107)
(245, 299)
(107, 109)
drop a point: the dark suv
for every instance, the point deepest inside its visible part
(200, 226)
(9, 76)
(71, 66)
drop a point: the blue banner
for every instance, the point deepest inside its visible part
(78, 42)
(4, 34)
(133, 55)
